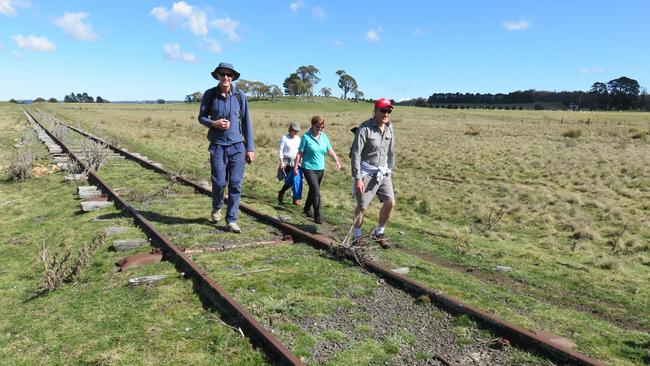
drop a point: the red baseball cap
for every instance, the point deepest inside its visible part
(383, 103)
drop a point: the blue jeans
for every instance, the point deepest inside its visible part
(227, 166)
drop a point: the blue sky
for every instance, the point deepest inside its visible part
(134, 50)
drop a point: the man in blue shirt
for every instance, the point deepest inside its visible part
(224, 110)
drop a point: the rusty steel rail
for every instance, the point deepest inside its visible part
(519, 336)
(220, 299)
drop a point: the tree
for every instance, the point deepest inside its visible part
(358, 94)
(244, 85)
(326, 91)
(623, 92)
(275, 91)
(52, 100)
(308, 76)
(194, 97)
(294, 85)
(101, 100)
(346, 83)
(38, 100)
(600, 95)
(159, 101)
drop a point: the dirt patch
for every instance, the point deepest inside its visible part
(421, 334)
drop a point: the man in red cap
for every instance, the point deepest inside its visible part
(373, 157)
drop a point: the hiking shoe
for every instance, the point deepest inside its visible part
(234, 228)
(307, 213)
(359, 242)
(280, 196)
(381, 240)
(318, 220)
(216, 215)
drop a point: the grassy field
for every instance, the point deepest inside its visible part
(563, 198)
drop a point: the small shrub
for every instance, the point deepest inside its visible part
(574, 134)
(146, 119)
(96, 154)
(20, 166)
(22, 160)
(472, 130)
(59, 268)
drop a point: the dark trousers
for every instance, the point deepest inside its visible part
(227, 167)
(314, 178)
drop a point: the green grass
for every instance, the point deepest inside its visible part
(575, 226)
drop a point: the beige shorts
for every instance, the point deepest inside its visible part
(383, 190)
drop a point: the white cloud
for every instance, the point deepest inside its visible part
(173, 52)
(7, 8)
(73, 24)
(319, 13)
(373, 35)
(33, 43)
(184, 14)
(228, 27)
(160, 13)
(296, 5)
(213, 45)
(592, 70)
(512, 25)
(420, 31)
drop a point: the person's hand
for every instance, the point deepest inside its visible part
(283, 165)
(221, 124)
(359, 185)
(250, 156)
(338, 166)
(295, 170)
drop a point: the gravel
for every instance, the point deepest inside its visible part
(389, 313)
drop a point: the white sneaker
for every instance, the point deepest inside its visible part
(216, 215)
(233, 227)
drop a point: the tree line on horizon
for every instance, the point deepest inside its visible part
(302, 82)
(622, 93)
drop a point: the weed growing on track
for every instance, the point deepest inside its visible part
(97, 319)
(564, 199)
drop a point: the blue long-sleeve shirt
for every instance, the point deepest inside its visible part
(227, 107)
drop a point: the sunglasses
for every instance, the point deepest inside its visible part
(224, 74)
(320, 127)
(386, 110)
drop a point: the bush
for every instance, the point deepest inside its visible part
(574, 134)
(22, 160)
(20, 167)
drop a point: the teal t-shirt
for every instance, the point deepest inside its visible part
(314, 150)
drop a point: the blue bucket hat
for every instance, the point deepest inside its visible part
(225, 65)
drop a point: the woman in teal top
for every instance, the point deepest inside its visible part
(314, 144)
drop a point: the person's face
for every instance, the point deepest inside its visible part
(383, 114)
(225, 76)
(318, 127)
(292, 132)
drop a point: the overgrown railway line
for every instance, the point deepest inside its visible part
(260, 336)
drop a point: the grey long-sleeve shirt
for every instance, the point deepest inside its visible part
(372, 146)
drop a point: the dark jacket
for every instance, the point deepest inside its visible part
(212, 109)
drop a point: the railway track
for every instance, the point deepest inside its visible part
(150, 212)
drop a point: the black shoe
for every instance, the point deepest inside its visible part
(307, 213)
(318, 220)
(280, 196)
